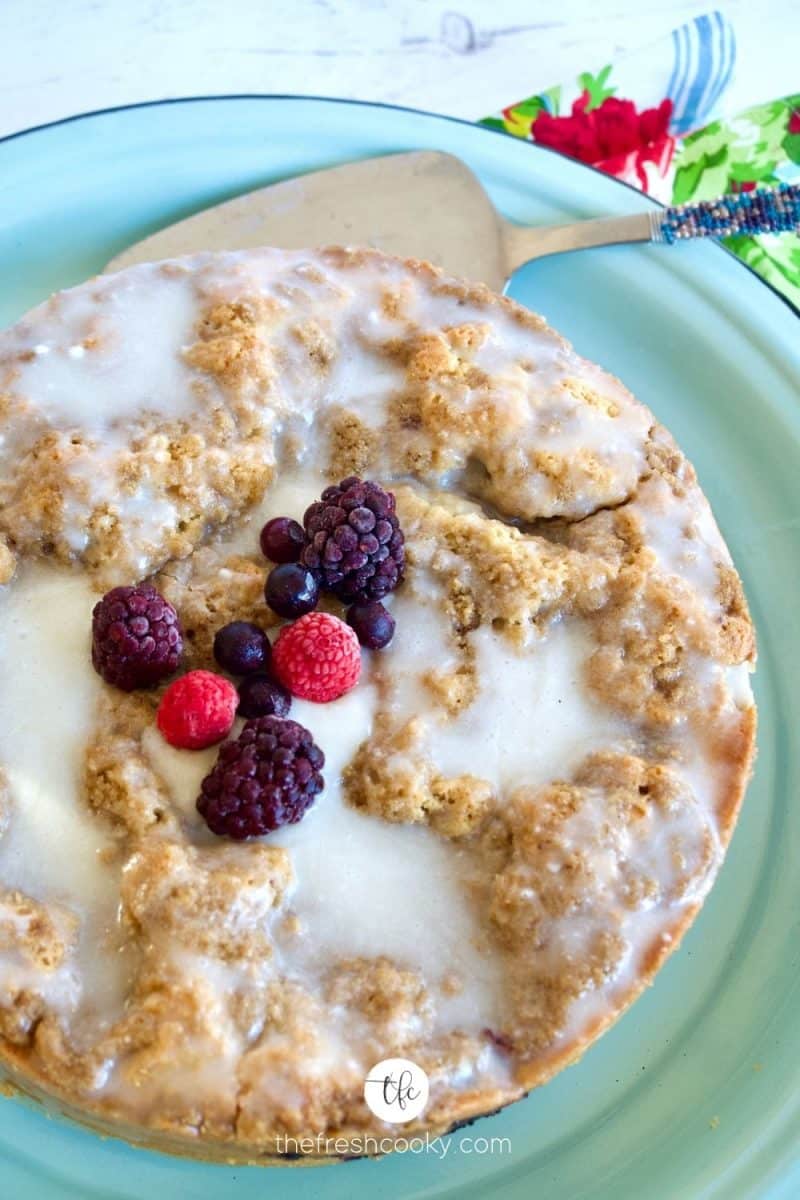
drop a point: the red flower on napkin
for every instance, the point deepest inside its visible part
(613, 137)
(794, 121)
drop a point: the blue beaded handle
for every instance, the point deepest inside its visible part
(767, 210)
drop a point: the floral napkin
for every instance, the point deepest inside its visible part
(657, 120)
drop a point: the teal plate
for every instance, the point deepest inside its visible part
(696, 1092)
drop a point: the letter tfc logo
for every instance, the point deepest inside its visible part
(396, 1090)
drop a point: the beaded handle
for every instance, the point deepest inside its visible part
(767, 210)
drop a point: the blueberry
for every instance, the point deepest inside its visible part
(260, 696)
(291, 590)
(241, 648)
(373, 624)
(282, 540)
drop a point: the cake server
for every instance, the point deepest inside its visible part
(429, 205)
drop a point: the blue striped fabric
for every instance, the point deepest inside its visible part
(704, 56)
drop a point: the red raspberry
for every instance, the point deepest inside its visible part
(317, 658)
(197, 710)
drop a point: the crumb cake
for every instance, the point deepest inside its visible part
(526, 796)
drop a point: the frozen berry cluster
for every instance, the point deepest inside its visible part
(244, 649)
(349, 545)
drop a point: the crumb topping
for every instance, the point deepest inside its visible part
(527, 794)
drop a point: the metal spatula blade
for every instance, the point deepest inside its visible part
(429, 205)
(420, 205)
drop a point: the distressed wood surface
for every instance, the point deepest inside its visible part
(465, 58)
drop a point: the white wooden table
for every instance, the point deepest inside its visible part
(465, 58)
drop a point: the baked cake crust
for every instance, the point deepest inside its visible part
(532, 789)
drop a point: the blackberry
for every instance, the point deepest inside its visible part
(354, 540)
(136, 637)
(268, 777)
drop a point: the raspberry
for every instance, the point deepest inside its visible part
(268, 777)
(354, 540)
(136, 637)
(317, 658)
(197, 710)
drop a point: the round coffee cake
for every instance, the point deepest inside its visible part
(528, 792)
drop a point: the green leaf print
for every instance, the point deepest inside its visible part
(748, 149)
(518, 119)
(552, 98)
(756, 142)
(492, 123)
(776, 259)
(791, 146)
(595, 85)
(702, 163)
(530, 107)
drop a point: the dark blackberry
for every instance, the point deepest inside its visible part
(136, 637)
(373, 624)
(282, 540)
(268, 777)
(260, 696)
(354, 540)
(241, 648)
(292, 590)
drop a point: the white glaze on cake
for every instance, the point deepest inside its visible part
(508, 839)
(54, 850)
(137, 373)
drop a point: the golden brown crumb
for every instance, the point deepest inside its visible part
(19, 1016)
(210, 590)
(119, 779)
(616, 803)
(393, 1001)
(8, 563)
(318, 343)
(229, 345)
(353, 445)
(213, 901)
(391, 778)
(737, 642)
(43, 935)
(494, 573)
(648, 633)
(452, 690)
